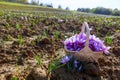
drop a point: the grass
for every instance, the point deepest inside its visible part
(108, 40)
(38, 58)
(17, 4)
(45, 33)
(7, 26)
(20, 39)
(14, 78)
(57, 33)
(1, 13)
(17, 26)
(54, 65)
(25, 7)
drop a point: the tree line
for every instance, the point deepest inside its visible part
(17, 1)
(101, 10)
(97, 10)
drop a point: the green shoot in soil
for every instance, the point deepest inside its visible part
(45, 33)
(1, 13)
(38, 58)
(20, 39)
(108, 40)
(57, 34)
(14, 78)
(54, 65)
(51, 67)
(7, 26)
(17, 26)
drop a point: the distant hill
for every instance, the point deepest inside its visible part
(26, 7)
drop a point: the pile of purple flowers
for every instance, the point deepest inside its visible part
(77, 42)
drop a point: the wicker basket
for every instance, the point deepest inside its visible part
(86, 54)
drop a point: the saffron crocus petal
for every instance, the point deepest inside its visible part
(92, 37)
(66, 41)
(108, 47)
(79, 69)
(106, 50)
(75, 63)
(82, 37)
(66, 59)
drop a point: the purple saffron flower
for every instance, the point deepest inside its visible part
(66, 59)
(97, 45)
(79, 69)
(75, 63)
(77, 42)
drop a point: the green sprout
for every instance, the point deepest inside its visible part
(108, 40)
(57, 33)
(45, 33)
(1, 13)
(17, 26)
(39, 60)
(51, 67)
(7, 26)
(20, 39)
(14, 78)
(54, 65)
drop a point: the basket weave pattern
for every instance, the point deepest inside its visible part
(86, 54)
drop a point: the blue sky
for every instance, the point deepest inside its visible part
(74, 4)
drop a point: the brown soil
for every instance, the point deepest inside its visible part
(18, 60)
